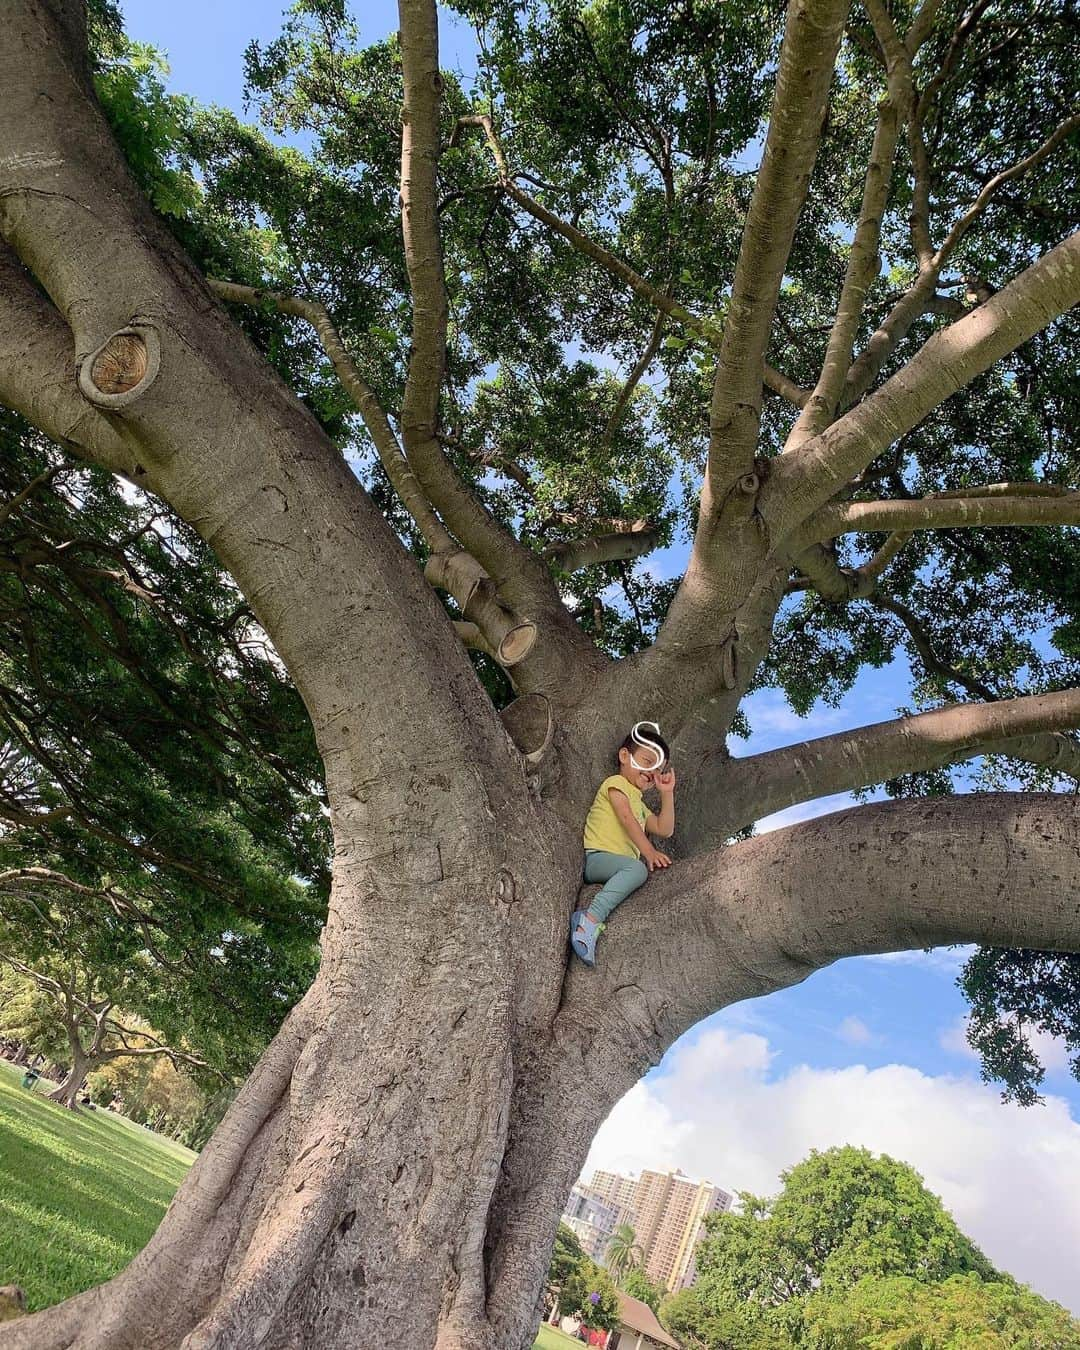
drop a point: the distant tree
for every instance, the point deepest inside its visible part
(901, 1313)
(842, 1215)
(28, 1017)
(160, 793)
(101, 943)
(623, 1252)
(590, 1294)
(96, 1030)
(638, 1285)
(699, 1324)
(565, 1258)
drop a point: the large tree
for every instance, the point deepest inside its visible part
(96, 1031)
(879, 1314)
(843, 238)
(853, 1251)
(842, 1215)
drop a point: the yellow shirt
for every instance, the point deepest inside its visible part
(603, 829)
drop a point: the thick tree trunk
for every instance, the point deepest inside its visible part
(68, 1091)
(359, 1188)
(393, 1172)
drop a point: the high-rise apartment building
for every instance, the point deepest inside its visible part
(592, 1219)
(616, 1190)
(684, 1273)
(668, 1213)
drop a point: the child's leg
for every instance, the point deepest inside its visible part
(621, 876)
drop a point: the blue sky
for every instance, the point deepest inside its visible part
(869, 1051)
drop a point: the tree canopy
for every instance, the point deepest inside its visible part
(853, 1251)
(589, 1293)
(887, 1314)
(160, 794)
(638, 1285)
(565, 1256)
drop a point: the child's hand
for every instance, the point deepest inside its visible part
(654, 859)
(665, 781)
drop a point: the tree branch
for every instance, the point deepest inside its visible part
(863, 260)
(520, 578)
(812, 35)
(621, 545)
(821, 570)
(999, 506)
(633, 380)
(1002, 869)
(734, 539)
(932, 662)
(46, 876)
(919, 299)
(35, 372)
(450, 566)
(761, 784)
(472, 637)
(11, 506)
(516, 571)
(990, 189)
(391, 455)
(922, 25)
(802, 482)
(112, 1027)
(44, 982)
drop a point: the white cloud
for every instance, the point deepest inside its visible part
(1010, 1176)
(946, 960)
(954, 1039)
(854, 1031)
(770, 713)
(1051, 1050)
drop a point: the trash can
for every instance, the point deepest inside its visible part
(29, 1078)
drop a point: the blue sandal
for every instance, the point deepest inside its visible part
(583, 934)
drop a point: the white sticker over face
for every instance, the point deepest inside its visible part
(641, 738)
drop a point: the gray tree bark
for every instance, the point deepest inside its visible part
(68, 1091)
(393, 1172)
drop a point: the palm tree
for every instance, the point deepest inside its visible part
(623, 1252)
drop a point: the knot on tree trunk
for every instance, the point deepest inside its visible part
(123, 368)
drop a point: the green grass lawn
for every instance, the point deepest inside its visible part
(79, 1194)
(551, 1338)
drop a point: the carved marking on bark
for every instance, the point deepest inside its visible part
(506, 887)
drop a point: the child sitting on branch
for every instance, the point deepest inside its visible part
(617, 848)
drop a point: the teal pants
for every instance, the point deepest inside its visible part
(621, 876)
